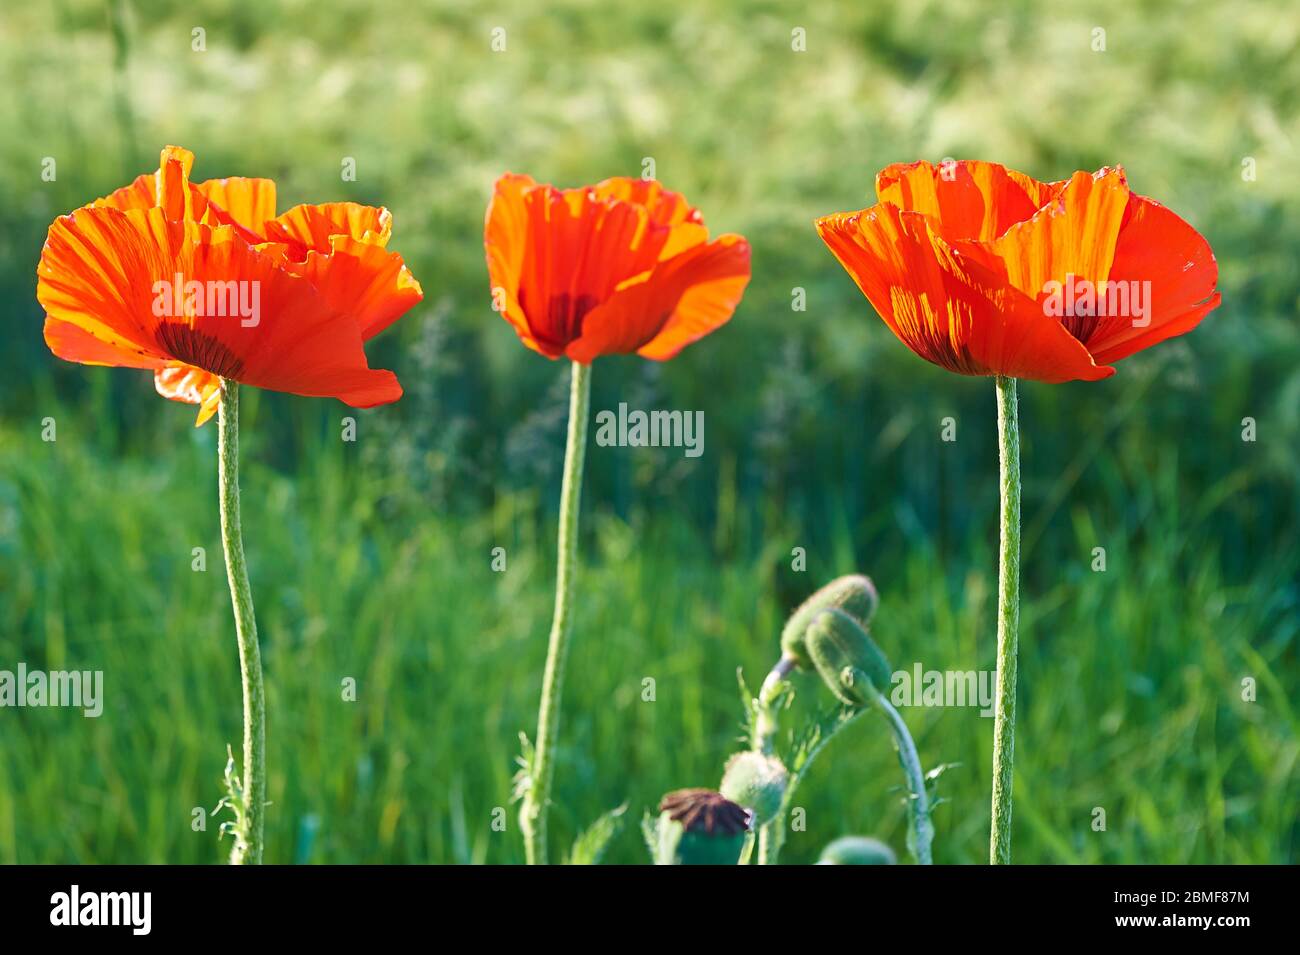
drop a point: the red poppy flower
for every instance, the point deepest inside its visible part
(985, 271)
(200, 282)
(622, 266)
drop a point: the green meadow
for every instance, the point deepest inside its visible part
(401, 667)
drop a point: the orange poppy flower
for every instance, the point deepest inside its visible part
(200, 282)
(622, 266)
(985, 271)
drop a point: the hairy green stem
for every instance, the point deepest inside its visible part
(920, 826)
(765, 723)
(532, 813)
(252, 795)
(1004, 723)
(771, 837)
(764, 741)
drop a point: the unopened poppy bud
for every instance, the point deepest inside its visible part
(855, 594)
(757, 783)
(700, 827)
(847, 658)
(857, 850)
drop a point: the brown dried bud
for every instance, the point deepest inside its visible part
(700, 827)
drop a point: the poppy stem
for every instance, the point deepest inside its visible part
(920, 827)
(1004, 723)
(771, 837)
(250, 793)
(764, 741)
(536, 798)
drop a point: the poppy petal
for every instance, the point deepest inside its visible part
(179, 278)
(969, 199)
(1158, 247)
(99, 272)
(363, 280)
(577, 250)
(194, 386)
(681, 301)
(140, 194)
(699, 290)
(666, 208)
(172, 185)
(73, 343)
(247, 203)
(953, 308)
(621, 266)
(312, 226)
(244, 203)
(299, 344)
(1073, 235)
(506, 233)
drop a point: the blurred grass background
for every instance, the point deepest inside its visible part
(371, 560)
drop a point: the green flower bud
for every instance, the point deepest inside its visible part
(857, 850)
(700, 827)
(854, 594)
(756, 782)
(847, 658)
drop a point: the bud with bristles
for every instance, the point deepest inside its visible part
(855, 594)
(700, 827)
(857, 850)
(847, 658)
(756, 782)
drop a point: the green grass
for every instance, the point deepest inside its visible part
(1130, 687)
(372, 560)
